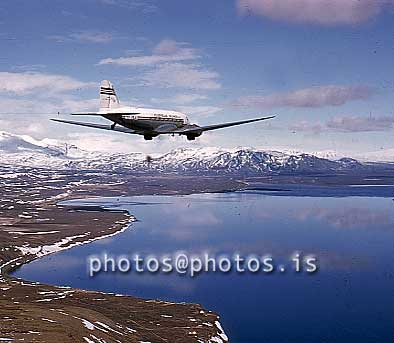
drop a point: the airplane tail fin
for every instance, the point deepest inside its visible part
(108, 97)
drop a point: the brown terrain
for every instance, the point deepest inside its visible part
(32, 225)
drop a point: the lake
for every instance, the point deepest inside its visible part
(349, 299)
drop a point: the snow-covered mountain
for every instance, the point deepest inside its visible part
(10, 143)
(24, 150)
(246, 161)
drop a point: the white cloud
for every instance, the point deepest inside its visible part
(167, 47)
(320, 96)
(34, 82)
(27, 116)
(187, 98)
(166, 51)
(181, 75)
(323, 12)
(39, 106)
(379, 155)
(201, 111)
(29, 99)
(306, 126)
(144, 6)
(19, 125)
(171, 64)
(85, 37)
(180, 99)
(349, 124)
(360, 124)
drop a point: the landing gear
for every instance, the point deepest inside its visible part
(191, 137)
(113, 126)
(148, 137)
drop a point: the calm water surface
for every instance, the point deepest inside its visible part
(350, 298)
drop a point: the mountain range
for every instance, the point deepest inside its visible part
(26, 151)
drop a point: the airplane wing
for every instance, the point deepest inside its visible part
(98, 126)
(200, 129)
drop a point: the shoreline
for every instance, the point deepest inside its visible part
(9, 267)
(54, 311)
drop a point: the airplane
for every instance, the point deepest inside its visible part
(147, 122)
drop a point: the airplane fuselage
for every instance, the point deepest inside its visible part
(149, 120)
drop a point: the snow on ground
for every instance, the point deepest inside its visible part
(221, 337)
(88, 324)
(65, 243)
(32, 233)
(11, 262)
(48, 320)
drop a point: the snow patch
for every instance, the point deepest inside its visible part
(88, 324)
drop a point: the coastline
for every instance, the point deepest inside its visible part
(35, 312)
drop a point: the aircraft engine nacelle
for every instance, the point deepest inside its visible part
(192, 136)
(149, 136)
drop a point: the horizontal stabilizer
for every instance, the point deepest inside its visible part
(85, 114)
(109, 113)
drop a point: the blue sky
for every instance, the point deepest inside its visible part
(325, 68)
